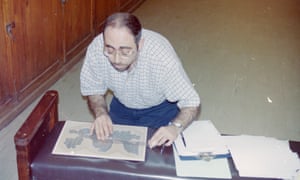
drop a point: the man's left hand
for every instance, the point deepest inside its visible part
(164, 135)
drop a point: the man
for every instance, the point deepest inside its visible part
(149, 84)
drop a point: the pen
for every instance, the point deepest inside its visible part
(183, 140)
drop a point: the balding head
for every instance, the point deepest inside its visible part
(120, 20)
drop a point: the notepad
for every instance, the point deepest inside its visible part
(202, 139)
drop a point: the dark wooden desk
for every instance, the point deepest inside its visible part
(36, 139)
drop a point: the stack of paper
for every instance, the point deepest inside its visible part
(216, 168)
(201, 137)
(257, 156)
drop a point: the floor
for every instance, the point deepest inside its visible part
(242, 56)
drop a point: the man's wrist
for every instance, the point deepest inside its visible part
(177, 125)
(100, 113)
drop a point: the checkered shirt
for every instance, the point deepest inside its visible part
(157, 76)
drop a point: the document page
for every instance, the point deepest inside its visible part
(201, 137)
(258, 156)
(126, 142)
(216, 168)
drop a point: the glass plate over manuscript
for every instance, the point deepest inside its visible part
(125, 143)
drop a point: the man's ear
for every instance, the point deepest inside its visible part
(141, 43)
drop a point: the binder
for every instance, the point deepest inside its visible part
(201, 141)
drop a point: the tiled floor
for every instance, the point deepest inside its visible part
(242, 56)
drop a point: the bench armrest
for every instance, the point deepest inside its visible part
(31, 135)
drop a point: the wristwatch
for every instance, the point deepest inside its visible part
(178, 125)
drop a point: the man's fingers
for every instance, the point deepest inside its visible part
(103, 130)
(108, 128)
(163, 135)
(169, 143)
(157, 140)
(106, 132)
(102, 127)
(98, 131)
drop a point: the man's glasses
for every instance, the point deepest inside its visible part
(123, 52)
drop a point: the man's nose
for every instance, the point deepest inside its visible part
(116, 58)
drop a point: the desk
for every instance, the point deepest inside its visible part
(157, 165)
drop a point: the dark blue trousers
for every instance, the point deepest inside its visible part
(153, 117)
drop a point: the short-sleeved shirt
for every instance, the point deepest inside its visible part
(157, 76)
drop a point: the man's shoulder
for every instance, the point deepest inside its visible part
(96, 46)
(97, 42)
(156, 43)
(158, 47)
(153, 35)
(94, 54)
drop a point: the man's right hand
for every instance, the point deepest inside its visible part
(102, 124)
(102, 127)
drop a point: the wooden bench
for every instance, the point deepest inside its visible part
(32, 134)
(36, 138)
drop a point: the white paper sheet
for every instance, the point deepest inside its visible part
(257, 156)
(216, 168)
(201, 136)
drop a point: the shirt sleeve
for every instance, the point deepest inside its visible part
(178, 87)
(175, 83)
(92, 74)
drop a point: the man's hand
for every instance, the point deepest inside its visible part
(102, 126)
(164, 135)
(167, 134)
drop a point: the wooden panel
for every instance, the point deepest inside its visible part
(37, 43)
(104, 8)
(48, 38)
(130, 5)
(78, 24)
(7, 92)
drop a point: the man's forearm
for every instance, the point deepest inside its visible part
(97, 104)
(186, 116)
